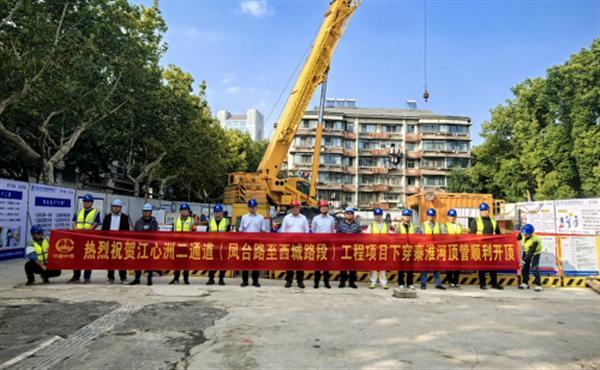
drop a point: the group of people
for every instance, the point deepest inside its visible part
(88, 218)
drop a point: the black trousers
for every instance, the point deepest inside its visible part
(326, 276)
(122, 275)
(453, 277)
(289, 276)
(211, 274)
(410, 276)
(186, 275)
(138, 275)
(87, 274)
(349, 276)
(32, 268)
(246, 274)
(493, 278)
(532, 266)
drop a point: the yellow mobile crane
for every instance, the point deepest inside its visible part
(266, 185)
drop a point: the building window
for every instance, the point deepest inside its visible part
(349, 126)
(303, 159)
(411, 147)
(411, 129)
(393, 128)
(304, 141)
(458, 162)
(348, 161)
(349, 144)
(396, 180)
(309, 124)
(369, 129)
(369, 144)
(434, 180)
(331, 159)
(411, 181)
(433, 163)
(410, 163)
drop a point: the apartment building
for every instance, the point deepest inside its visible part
(373, 157)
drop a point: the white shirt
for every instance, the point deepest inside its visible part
(252, 223)
(323, 224)
(115, 222)
(295, 224)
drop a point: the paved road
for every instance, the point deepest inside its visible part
(162, 326)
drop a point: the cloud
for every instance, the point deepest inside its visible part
(233, 90)
(191, 36)
(228, 79)
(256, 8)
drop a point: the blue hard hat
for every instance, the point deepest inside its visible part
(147, 207)
(37, 229)
(431, 212)
(183, 206)
(218, 208)
(406, 212)
(484, 207)
(117, 203)
(88, 198)
(452, 212)
(349, 210)
(527, 229)
(378, 212)
(252, 203)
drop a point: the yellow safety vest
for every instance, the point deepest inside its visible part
(402, 230)
(375, 228)
(184, 225)
(527, 243)
(85, 222)
(41, 251)
(454, 229)
(479, 221)
(222, 227)
(428, 230)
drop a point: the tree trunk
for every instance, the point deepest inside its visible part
(47, 174)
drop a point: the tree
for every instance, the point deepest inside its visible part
(545, 142)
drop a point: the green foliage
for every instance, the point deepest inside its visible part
(545, 142)
(83, 90)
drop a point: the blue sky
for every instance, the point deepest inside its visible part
(246, 50)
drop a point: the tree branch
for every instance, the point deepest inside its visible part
(19, 142)
(10, 15)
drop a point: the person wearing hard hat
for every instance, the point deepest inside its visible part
(486, 225)
(452, 228)
(405, 227)
(323, 224)
(532, 251)
(294, 222)
(145, 223)
(348, 226)
(431, 227)
(116, 221)
(36, 254)
(183, 223)
(217, 224)
(378, 226)
(87, 218)
(252, 222)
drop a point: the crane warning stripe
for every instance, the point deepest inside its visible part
(100, 250)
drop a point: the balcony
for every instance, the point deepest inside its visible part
(383, 205)
(349, 153)
(329, 186)
(301, 149)
(374, 188)
(443, 135)
(373, 170)
(412, 189)
(333, 149)
(374, 135)
(332, 132)
(331, 168)
(434, 171)
(374, 153)
(411, 138)
(348, 188)
(349, 135)
(349, 170)
(412, 172)
(396, 188)
(413, 155)
(306, 131)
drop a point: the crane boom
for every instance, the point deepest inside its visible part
(313, 73)
(265, 185)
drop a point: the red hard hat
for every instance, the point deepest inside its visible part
(295, 203)
(323, 203)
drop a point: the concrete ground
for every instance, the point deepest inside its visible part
(200, 327)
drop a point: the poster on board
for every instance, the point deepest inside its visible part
(13, 218)
(578, 216)
(579, 255)
(51, 206)
(548, 257)
(539, 214)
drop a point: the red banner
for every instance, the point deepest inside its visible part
(102, 250)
